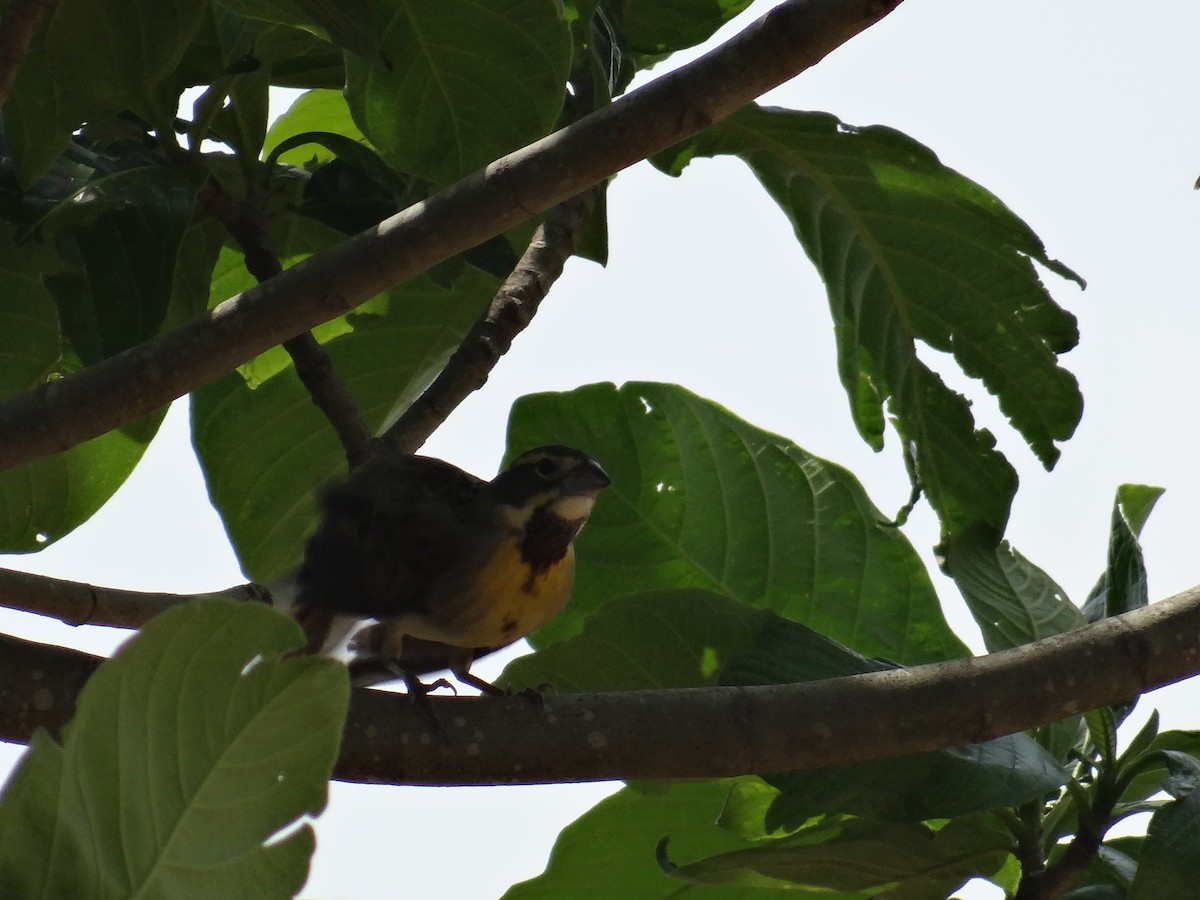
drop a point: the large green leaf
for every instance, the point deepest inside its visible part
(912, 251)
(609, 851)
(469, 80)
(119, 236)
(106, 54)
(866, 859)
(701, 499)
(189, 752)
(265, 447)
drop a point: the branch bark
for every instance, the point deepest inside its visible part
(786, 41)
(77, 603)
(708, 732)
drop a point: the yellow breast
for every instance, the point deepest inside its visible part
(505, 601)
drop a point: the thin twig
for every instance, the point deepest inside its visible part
(78, 603)
(17, 27)
(246, 221)
(787, 40)
(509, 313)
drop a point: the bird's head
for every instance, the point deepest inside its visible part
(555, 480)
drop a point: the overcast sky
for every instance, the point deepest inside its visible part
(1079, 115)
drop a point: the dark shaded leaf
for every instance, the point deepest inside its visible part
(119, 236)
(1003, 772)
(1122, 587)
(1170, 856)
(657, 28)
(105, 54)
(469, 82)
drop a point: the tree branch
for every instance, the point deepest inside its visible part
(17, 27)
(77, 603)
(790, 38)
(509, 313)
(708, 732)
(246, 222)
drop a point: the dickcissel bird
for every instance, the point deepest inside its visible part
(451, 566)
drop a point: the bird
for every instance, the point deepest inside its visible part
(450, 566)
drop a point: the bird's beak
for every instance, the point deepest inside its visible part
(587, 480)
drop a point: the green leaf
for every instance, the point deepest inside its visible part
(609, 851)
(1003, 772)
(1013, 600)
(242, 121)
(701, 499)
(350, 187)
(44, 500)
(912, 251)
(1142, 741)
(1102, 729)
(30, 343)
(120, 235)
(1151, 769)
(189, 750)
(469, 81)
(667, 639)
(1170, 856)
(33, 128)
(348, 23)
(313, 112)
(264, 447)
(106, 54)
(657, 28)
(868, 859)
(1123, 586)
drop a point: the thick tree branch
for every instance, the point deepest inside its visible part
(509, 313)
(787, 40)
(17, 27)
(708, 732)
(246, 222)
(77, 603)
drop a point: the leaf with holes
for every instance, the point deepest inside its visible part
(912, 251)
(701, 499)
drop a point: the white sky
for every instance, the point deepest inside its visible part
(1079, 115)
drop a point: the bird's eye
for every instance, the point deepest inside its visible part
(545, 467)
